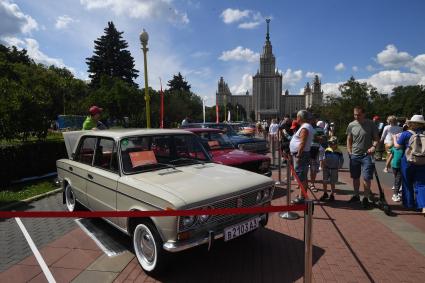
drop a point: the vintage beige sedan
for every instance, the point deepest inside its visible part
(147, 170)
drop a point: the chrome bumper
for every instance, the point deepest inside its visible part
(173, 246)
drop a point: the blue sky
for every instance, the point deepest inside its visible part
(379, 42)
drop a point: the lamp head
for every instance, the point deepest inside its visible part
(144, 37)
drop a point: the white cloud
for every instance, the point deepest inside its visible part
(249, 25)
(339, 67)
(390, 57)
(252, 19)
(331, 89)
(62, 22)
(355, 68)
(311, 75)
(140, 9)
(34, 52)
(13, 21)
(418, 64)
(233, 15)
(385, 81)
(245, 85)
(370, 68)
(291, 78)
(240, 54)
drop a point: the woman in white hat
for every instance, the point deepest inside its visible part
(413, 175)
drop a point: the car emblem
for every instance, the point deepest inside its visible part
(239, 202)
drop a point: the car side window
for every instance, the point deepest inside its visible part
(104, 155)
(86, 150)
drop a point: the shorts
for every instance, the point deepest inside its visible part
(314, 165)
(361, 165)
(330, 176)
(301, 165)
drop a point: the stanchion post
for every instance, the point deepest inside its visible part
(279, 163)
(290, 215)
(308, 242)
(272, 141)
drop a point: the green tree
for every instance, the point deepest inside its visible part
(178, 83)
(111, 58)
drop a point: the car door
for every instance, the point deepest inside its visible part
(102, 180)
(80, 165)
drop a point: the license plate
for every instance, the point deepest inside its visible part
(241, 228)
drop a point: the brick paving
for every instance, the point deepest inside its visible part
(350, 245)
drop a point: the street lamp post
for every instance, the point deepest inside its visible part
(203, 106)
(144, 37)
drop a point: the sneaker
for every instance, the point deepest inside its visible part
(365, 202)
(385, 170)
(331, 198)
(354, 198)
(313, 189)
(324, 197)
(298, 200)
(396, 198)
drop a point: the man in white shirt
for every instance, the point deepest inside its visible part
(300, 146)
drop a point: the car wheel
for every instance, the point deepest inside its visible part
(264, 222)
(147, 246)
(70, 200)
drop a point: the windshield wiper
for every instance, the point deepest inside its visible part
(188, 159)
(167, 165)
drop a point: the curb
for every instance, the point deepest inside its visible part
(28, 200)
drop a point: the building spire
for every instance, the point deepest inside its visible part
(268, 35)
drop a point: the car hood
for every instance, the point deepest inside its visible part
(244, 139)
(199, 184)
(236, 157)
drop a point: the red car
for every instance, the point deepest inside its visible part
(222, 151)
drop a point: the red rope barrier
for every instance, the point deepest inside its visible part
(94, 214)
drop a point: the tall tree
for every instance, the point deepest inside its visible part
(111, 58)
(178, 83)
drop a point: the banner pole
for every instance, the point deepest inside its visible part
(308, 242)
(279, 167)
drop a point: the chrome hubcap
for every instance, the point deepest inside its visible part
(70, 199)
(146, 246)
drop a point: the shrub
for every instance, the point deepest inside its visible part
(29, 159)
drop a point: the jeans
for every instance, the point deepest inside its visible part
(397, 180)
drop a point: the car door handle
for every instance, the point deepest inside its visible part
(90, 176)
(70, 168)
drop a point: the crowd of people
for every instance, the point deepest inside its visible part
(313, 147)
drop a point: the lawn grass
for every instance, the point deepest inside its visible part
(26, 190)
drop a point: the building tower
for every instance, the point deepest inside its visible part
(267, 84)
(317, 96)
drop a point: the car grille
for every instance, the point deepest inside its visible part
(248, 200)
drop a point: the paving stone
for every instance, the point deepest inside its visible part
(95, 276)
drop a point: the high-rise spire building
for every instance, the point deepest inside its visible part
(267, 100)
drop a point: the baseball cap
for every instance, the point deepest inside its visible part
(376, 117)
(294, 125)
(95, 110)
(320, 124)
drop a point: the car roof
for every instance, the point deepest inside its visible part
(204, 130)
(118, 133)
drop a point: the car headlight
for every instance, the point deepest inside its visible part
(259, 196)
(266, 194)
(188, 221)
(204, 218)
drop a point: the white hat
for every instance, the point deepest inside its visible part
(320, 124)
(416, 119)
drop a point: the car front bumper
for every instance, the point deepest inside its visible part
(173, 246)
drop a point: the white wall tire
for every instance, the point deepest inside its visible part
(147, 246)
(70, 200)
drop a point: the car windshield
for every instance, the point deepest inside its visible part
(147, 153)
(216, 141)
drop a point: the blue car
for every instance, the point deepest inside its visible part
(241, 142)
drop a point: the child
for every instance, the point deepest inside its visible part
(396, 154)
(333, 161)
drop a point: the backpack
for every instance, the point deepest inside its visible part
(415, 152)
